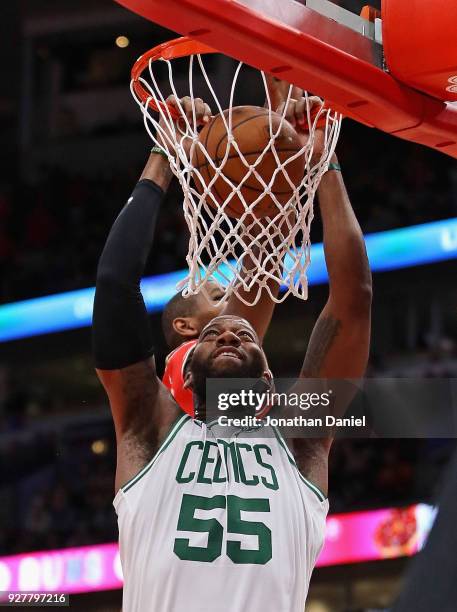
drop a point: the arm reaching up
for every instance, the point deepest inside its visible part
(141, 406)
(339, 344)
(122, 337)
(340, 341)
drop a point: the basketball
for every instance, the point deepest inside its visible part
(251, 131)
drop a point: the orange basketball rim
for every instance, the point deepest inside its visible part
(377, 80)
(175, 49)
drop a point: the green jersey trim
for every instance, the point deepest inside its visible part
(174, 429)
(309, 484)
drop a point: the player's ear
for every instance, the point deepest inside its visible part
(186, 327)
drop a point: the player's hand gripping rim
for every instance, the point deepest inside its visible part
(185, 107)
(297, 114)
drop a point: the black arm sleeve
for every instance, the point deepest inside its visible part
(121, 334)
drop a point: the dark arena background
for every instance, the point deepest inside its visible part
(73, 145)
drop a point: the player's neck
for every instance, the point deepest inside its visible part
(199, 408)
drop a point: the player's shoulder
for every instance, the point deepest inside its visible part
(181, 353)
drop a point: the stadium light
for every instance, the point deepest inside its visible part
(122, 42)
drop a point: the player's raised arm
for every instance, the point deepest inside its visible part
(339, 343)
(142, 407)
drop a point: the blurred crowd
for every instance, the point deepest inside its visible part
(52, 230)
(60, 496)
(382, 473)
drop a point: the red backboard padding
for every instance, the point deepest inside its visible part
(420, 44)
(314, 52)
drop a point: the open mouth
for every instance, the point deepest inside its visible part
(230, 353)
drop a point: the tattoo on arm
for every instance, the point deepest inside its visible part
(322, 338)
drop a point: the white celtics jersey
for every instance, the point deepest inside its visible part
(219, 521)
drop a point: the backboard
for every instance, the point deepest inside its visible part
(333, 53)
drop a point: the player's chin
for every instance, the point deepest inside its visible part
(227, 367)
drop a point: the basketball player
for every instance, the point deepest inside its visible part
(209, 521)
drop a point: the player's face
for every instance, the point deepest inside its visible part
(228, 347)
(209, 309)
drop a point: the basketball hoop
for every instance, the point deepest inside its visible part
(247, 253)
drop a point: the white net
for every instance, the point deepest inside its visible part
(245, 255)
